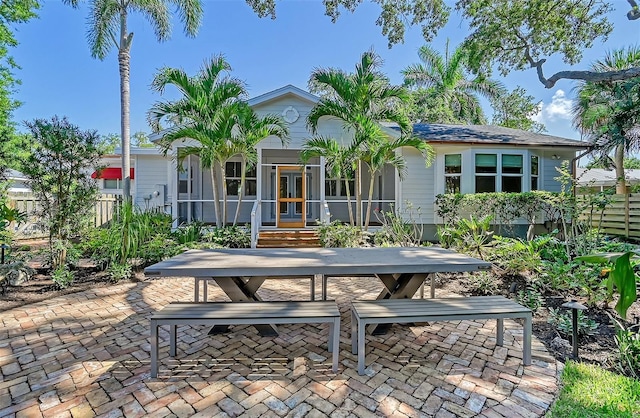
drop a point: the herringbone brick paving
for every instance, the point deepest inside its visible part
(87, 354)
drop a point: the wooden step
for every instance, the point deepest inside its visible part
(304, 238)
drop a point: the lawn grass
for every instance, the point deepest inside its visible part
(591, 391)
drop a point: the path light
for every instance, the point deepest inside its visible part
(2, 248)
(575, 307)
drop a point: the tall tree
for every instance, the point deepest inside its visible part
(11, 12)
(361, 101)
(445, 91)
(609, 113)
(108, 29)
(202, 114)
(249, 130)
(516, 110)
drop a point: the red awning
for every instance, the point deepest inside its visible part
(111, 173)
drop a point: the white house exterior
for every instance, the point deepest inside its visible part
(469, 159)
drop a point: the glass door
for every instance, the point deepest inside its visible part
(291, 197)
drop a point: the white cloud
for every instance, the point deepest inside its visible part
(558, 109)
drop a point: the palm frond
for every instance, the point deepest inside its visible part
(104, 26)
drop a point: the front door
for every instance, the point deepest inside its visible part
(291, 197)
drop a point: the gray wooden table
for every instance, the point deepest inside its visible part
(241, 272)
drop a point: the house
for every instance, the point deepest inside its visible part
(600, 179)
(281, 193)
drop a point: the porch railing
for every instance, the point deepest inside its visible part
(256, 221)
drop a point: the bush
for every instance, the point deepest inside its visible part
(471, 236)
(514, 255)
(628, 342)
(62, 276)
(229, 236)
(158, 248)
(188, 233)
(339, 235)
(531, 298)
(561, 319)
(396, 231)
(483, 283)
(119, 272)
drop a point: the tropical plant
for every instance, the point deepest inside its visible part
(361, 100)
(248, 131)
(620, 277)
(62, 276)
(608, 113)
(562, 320)
(60, 154)
(399, 228)
(204, 113)
(338, 235)
(628, 342)
(108, 28)
(471, 236)
(229, 237)
(444, 91)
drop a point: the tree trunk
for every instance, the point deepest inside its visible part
(242, 180)
(124, 62)
(349, 208)
(621, 184)
(358, 194)
(369, 203)
(214, 188)
(224, 193)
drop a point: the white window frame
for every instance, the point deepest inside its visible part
(118, 184)
(447, 175)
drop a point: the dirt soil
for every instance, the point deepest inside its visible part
(597, 348)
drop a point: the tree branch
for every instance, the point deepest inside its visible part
(588, 76)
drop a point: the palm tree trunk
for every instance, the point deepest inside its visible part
(224, 194)
(371, 182)
(214, 188)
(621, 184)
(242, 180)
(124, 63)
(358, 195)
(349, 208)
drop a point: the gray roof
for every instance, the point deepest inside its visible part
(488, 135)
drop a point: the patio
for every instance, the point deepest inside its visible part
(87, 354)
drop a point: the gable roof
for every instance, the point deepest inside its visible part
(289, 89)
(487, 135)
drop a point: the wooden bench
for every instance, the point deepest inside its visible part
(233, 313)
(446, 309)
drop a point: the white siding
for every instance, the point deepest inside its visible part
(418, 186)
(149, 171)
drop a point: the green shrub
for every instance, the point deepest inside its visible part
(628, 342)
(339, 235)
(158, 248)
(117, 271)
(399, 229)
(484, 283)
(561, 319)
(62, 276)
(188, 233)
(514, 256)
(531, 298)
(229, 236)
(471, 236)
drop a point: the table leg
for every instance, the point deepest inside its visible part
(397, 286)
(240, 289)
(154, 349)
(313, 287)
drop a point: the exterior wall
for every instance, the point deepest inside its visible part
(150, 173)
(418, 187)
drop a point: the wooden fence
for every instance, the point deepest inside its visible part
(620, 217)
(27, 203)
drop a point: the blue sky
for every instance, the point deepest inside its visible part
(59, 77)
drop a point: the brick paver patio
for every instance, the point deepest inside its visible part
(87, 354)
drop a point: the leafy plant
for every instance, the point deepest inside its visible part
(514, 255)
(531, 298)
(621, 277)
(562, 320)
(471, 236)
(8, 215)
(483, 283)
(191, 232)
(399, 229)
(338, 235)
(628, 342)
(158, 248)
(119, 271)
(229, 236)
(62, 276)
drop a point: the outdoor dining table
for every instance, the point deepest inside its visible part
(241, 272)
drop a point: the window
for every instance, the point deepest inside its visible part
(112, 184)
(452, 173)
(535, 166)
(512, 173)
(233, 171)
(185, 179)
(335, 187)
(486, 170)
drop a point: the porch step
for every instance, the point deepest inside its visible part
(300, 238)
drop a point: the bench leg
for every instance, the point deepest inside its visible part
(324, 286)
(527, 341)
(500, 332)
(154, 349)
(205, 290)
(354, 333)
(172, 339)
(361, 336)
(313, 287)
(335, 344)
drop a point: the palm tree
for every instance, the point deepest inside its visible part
(108, 28)
(250, 129)
(609, 113)
(360, 100)
(203, 113)
(339, 162)
(443, 91)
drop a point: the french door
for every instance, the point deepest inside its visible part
(292, 189)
